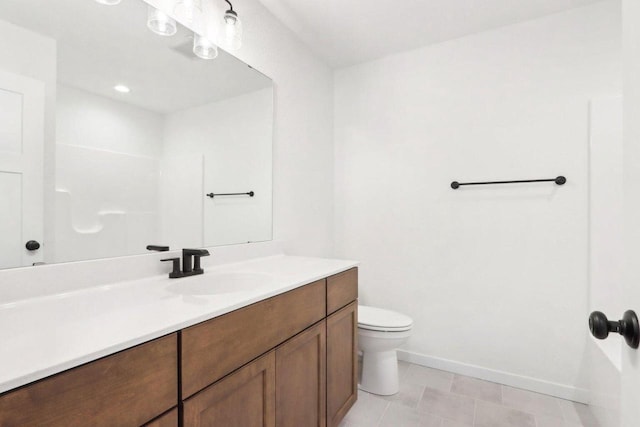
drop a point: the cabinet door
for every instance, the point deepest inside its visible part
(342, 362)
(301, 379)
(245, 398)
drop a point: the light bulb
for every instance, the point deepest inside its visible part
(161, 23)
(230, 17)
(109, 2)
(231, 37)
(203, 48)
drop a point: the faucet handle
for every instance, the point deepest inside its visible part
(176, 273)
(197, 268)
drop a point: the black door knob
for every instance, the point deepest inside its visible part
(628, 327)
(32, 245)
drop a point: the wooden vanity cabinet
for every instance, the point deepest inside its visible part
(129, 388)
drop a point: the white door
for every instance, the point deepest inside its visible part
(630, 292)
(21, 169)
(606, 264)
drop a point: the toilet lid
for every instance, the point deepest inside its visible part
(377, 319)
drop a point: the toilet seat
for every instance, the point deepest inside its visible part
(377, 319)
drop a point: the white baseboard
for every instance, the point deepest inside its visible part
(527, 383)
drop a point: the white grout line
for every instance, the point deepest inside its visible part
(383, 414)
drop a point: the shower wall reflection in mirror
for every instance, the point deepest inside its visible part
(111, 137)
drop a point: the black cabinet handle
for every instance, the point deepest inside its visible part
(628, 327)
(32, 245)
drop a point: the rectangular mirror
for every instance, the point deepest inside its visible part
(113, 138)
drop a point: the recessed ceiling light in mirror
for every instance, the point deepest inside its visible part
(121, 88)
(109, 2)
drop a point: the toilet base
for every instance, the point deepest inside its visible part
(380, 373)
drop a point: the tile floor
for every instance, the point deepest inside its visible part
(433, 398)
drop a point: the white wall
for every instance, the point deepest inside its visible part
(495, 278)
(93, 121)
(235, 138)
(107, 173)
(303, 133)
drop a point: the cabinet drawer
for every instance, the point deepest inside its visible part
(342, 289)
(127, 388)
(212, 349)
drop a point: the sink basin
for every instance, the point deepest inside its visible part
(220, 283)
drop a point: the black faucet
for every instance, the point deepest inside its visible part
(189, 267)
(190, 263)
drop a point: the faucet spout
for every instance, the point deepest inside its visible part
(191, 260)
(197, 252)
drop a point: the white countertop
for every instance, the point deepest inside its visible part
(42, 336)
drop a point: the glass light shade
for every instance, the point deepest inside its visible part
(203, 48)
(161, 23)
(188, 9)
(109, 2)
(230, 17)
(231, 37)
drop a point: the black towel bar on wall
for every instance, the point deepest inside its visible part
(250, 194)
(560, 180)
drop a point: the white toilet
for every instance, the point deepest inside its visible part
(380, 332)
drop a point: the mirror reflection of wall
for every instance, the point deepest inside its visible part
(137, 130)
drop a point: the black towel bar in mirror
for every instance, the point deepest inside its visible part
(560, 180)
(250, 194)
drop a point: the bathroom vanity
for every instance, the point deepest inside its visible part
(283, 353)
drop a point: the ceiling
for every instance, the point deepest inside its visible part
(100, 46)
(347, 32)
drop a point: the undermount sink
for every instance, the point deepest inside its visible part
(220, 283)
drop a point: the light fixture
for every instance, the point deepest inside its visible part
(121, 88)
(109, 2)
(231, 37)
(203, 48)
(187, 8)
(161, 23)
